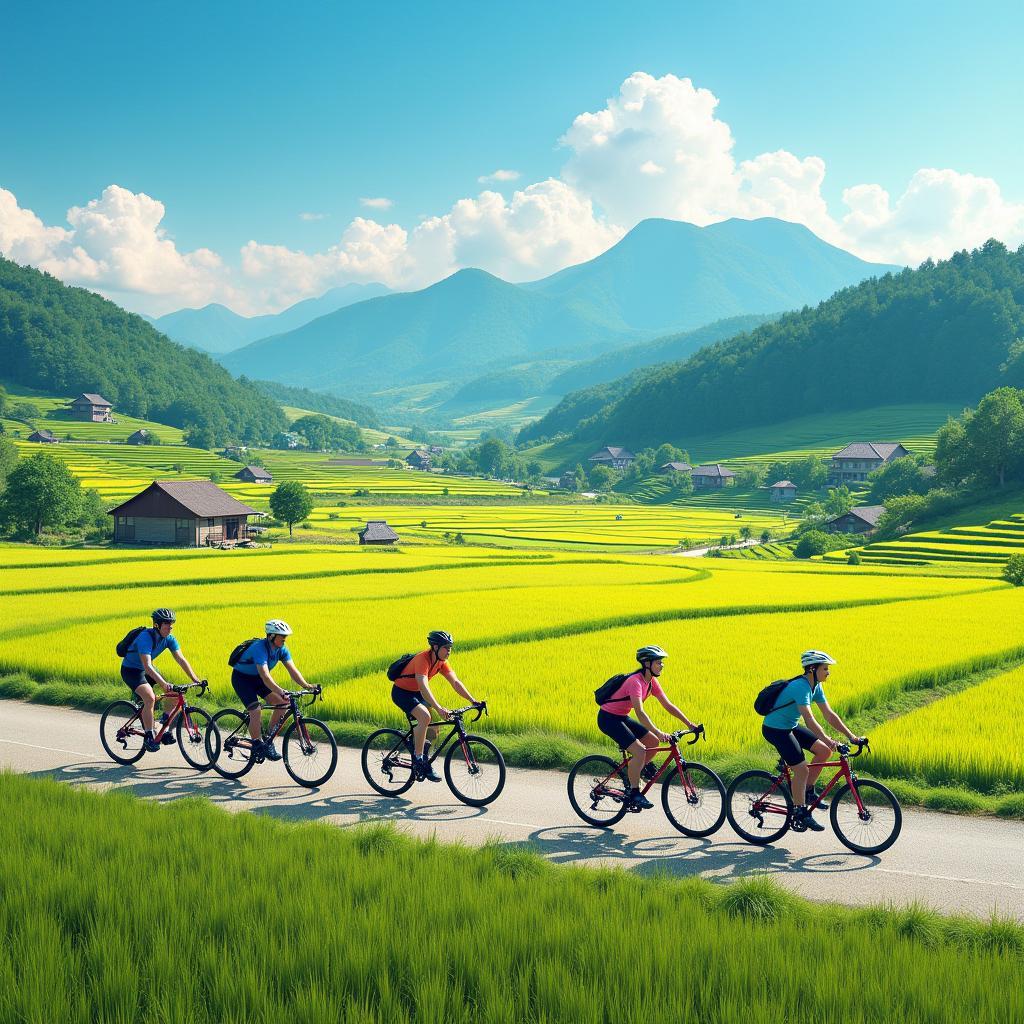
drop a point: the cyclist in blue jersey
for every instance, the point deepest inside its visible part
(782, 729)
(137, 669)
(252, 681)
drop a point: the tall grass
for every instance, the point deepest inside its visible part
(270, 922)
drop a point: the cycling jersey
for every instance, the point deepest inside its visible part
(423, 664)
(262, 652)
(635, 685)
(143, 644)
(796, 694)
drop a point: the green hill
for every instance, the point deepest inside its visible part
(65, 341)
(945, 332)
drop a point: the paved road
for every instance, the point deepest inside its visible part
(972, 865)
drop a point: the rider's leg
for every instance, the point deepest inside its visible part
(635, 765)
(255, 721)
(650, 743)
(280, 706)
(148, 697)
(419, 732)
(799, 785)
(821, 755)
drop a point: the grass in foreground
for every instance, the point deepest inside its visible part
(339, 934)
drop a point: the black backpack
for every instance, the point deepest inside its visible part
(236, 655)
(764, 702)
(609, 686)
(125, 644)
(396, 670)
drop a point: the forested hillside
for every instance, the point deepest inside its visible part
(943, 332)
(68, 340)
(317, 401)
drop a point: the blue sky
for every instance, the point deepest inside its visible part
(238, 118)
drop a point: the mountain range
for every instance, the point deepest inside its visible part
(662, 277)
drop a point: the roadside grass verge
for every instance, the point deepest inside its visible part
(522, 940)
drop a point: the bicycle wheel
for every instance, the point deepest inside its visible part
(387, 762)
(475, 770)
(193, 734)
(873, 829)
(310, 752)
(694, 803)
(598, 790)
(230, 733)
(121, 732)
(759, 807)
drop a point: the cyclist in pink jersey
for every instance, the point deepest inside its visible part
(641, 737)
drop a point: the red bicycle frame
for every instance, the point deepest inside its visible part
(177, 695)
(680, 763)
(785, 776)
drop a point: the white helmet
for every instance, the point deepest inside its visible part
(278, 626)
(809, 658)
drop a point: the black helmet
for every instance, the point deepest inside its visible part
(652, 652)
(163, 615)
(439, 638)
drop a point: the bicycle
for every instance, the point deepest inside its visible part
(692, 795)
(123, 736)
(865, 815)
(473, 766)
(309, 749)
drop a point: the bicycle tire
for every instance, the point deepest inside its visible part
(845, 815)
(474, 780)
(116, 717)
(195, 747)
(741, 806)
(706, 805)
(234, 751)
(586, 776)
(387, 762)
(306, 743)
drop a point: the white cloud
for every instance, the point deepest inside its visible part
(312, 216)
(498, 176)
(378, 203)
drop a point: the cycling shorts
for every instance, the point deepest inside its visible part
(250, 689)
(789, 741)
(133, 677)
(406, 699)
(624, 731)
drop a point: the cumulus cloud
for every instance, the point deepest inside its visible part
(498, 176)
(378, 203)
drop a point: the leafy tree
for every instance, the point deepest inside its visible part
(324, 434)
(291, 503)
(602, 478)
(901, 476)
(853, 558)
(3, 401)
(814, 542)
(41, 491)
(995, 436)
(580, 478)
(952, 452)
(745, 533)
(492, 456)
(838, 502)
(766, 536)
(25, 412)
(899, 513)
(1013, 571)
(8, 458)
(750, 477)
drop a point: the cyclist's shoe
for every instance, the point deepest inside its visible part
(811, 795)
(168, 738)
(150, 743)
(649, 772)
(270, 752)
(638, 802)
(803, 819)
(259, 750)
(428, 771)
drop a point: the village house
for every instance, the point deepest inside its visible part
(617, 458)
(43, 437)
(712, 475)
(377, 531)
(783, 490)
(418, 459)
(567, 481)
(855, 461)
(185, 513)
(141, 436)
(254, 475)
(675, 467)
(863, 519)
(92, 409)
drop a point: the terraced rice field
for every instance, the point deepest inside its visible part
(967, 545)
(537, 631)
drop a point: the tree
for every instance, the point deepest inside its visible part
(838, 502)
(491, 457)
(291, 503)
(995, 435)
(8, 458)
(901, 476)
(26, 412)
(3, 401)
(766, 536)
(814, 542)
(1013, 571)
(900, 513)
(602, 478)
(579, 478)
(751, 477)
(40, 492)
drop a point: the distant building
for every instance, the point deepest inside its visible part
(712, 475)
(567, 481)
(234, 451)
(436, 449)
(863, 519)
(91, 408)
(377, 531)
(254, 475)
(675, 467)
(783, 490)
(141, 436)
(855, 461)
(419, 459)
(43, 437)
(617, 458)
(181, 512)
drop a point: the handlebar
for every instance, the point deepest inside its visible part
(697, 732)
(480, 709)
(843, 750)
(202, 685)
(315, 694)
